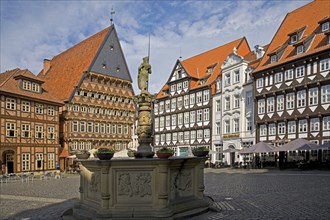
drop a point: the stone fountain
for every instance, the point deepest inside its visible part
(145, 187)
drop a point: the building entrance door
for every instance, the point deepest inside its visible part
(232, 159)
(10, 163)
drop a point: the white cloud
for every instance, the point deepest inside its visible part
(32, 31)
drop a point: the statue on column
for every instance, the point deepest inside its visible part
(143, 75)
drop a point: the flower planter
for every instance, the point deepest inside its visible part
(161, 155)
(105, 156)
(82, 156)
(200, 153)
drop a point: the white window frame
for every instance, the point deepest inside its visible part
(51, 111)
(300, 49)
(300, 71)
(280, 103)
(26, 161)
(261, 106)
(10, 103)
(313, 96)
(301, 98)
(281, 127)
(325, 94)
(39, 131)
(271, 129)
(288, 74)
(290, 101)
(315, 124)
(260, 83)
(326, 123)
(51, 133)
(263, 130)
(278, 77)
(325, 65)
(25, 130)
(10, 129)
(26, 106)
(302, 126)
(292, 127)
(270, 104)
(325, 26)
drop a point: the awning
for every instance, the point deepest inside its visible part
(298, 144)
(260, 147)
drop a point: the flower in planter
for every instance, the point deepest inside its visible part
(131, 152)
(105, 153)
(82, 154)
(165, 152)
(200, 151)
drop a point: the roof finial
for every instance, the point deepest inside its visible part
(235, 50)
(180, 57)
(111, 13)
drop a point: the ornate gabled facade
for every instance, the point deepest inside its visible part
(234, 108)
(93, 80)
(292, 81)
(29, 123)
(183, 117)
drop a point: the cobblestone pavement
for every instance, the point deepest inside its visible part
(238, 194)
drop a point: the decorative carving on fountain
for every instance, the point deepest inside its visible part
(181, 183)
(94, 185)
(134, 184)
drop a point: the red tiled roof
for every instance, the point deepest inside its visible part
(196, 66)
(307, 17)
(10, 84)
(64, 153)
(67, 68)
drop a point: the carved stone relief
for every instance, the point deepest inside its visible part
(95, 184)
(134, 184)
(181, 183)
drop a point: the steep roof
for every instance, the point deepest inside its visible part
(305, 20)
(9, 83)
(67, 69)
(196, 66)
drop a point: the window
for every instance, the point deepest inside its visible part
(173, 88)
(227, 79)
(300, 71)
(25, 162)
(25, 106)
(102, 128)
(325, 64)
(236, 125)
(192, 116)
(179, 102)
(25, 131)
(161, 106)
(300, 49)
(227, 126)
(273, 59)
(51, 110)
(156, 139)
(217, 128)
(326, 123)
(26, 85)
(51, 160)
(291, 127)
(301, 98)
(180, 136)
(39, 161)
(303, 125)
(39, 108)
(294, 39)
(248, 98)
(168, 120)
(10, 129)
(206, 95)
(260, 82)
(88, 145)
(75, 126)
(161, 122)
(167, 105)
(270, 104)
(156, 108)
(206, 114)
(186, 101)
(199, 134)
(174, 137)
(192, 99)
(248, 124)
(39, 131)
(313, 96)
(73, 145)
(186, 118)
(280, 103)
(82, 126)
(119, 129)
(288, 74)
(199, 115)
(90, 127)
(290, 101)
(180, 119)
(227, 103)
(113, 129)
(281, 128)
(173, 104)
(278, 77)
(217, 105)
(325, 94)
(185, 84)
(315, 124)
(271, 129)
(186, 136)
(199, 97)
(206, 133)
(236, 101)
(325, 26)
(261, 106)
(168, 138)
(236, 76)
(51, 133)
(173, 120)
(10, 103)
(263, 130)
(193, 135)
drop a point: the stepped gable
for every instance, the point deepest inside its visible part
(306, 20)
(9, 83)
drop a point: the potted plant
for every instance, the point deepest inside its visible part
(164, 153)
(82, 154)
(105, 153)
(130, 152)
(200, 151)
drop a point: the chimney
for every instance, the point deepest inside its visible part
(46, 66)
(259, 51)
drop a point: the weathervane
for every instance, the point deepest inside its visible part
(112, 13)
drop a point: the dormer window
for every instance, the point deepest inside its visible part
(300, 49)
(273, 59)
(30, 86)
(294, 39)
(210, 68)
(325, 26)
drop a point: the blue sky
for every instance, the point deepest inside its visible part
(31, 31)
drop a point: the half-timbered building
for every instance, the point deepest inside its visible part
(29, 123)
(93, 80)
(292, 82)
(183, 117)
